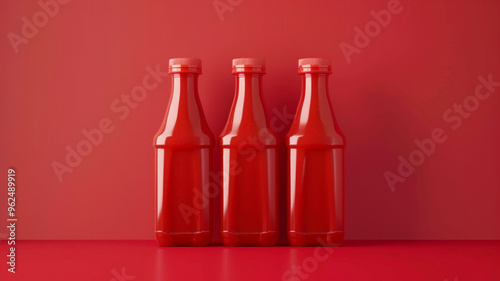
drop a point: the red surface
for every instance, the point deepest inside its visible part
(357, 260)
(249, 163)
(66, 78)
(315, 163)
(183, 147)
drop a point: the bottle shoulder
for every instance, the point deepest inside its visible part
(186, 137)
(315, 126)
(242, 136)
(246, 129)
(315, 136)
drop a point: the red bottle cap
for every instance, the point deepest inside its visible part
(184, 65)
(315, 65)
(249, 65)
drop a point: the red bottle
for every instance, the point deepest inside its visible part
(183, 146)
(249, 160)
(315, 150)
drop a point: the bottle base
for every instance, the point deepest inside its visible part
(259, 239)
(324, 239)
(174, 239)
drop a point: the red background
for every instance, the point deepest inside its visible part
(395, 90)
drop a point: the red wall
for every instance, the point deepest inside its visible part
(400, 81)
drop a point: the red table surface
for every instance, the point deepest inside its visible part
(356, 260)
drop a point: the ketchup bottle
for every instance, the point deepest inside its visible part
(315, 168)
(249, 162)
(183, 147)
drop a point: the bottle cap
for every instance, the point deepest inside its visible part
(315, 65)
(184, 65)
(249, 65)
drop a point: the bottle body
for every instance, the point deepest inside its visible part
(183, 147)
(249, 163)
(249, 197)
(316, 194)
(315, 164)
(183, 216)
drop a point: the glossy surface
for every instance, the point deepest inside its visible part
(315, 168)
(249, 161)
(356, 260)
(183, 164)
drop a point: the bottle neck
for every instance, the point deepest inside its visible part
(184, 110)
(184, 124)
(315, 90)
(184, 85)
(247, 119)
(314, 124)
(248, 103)
(314, 109)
